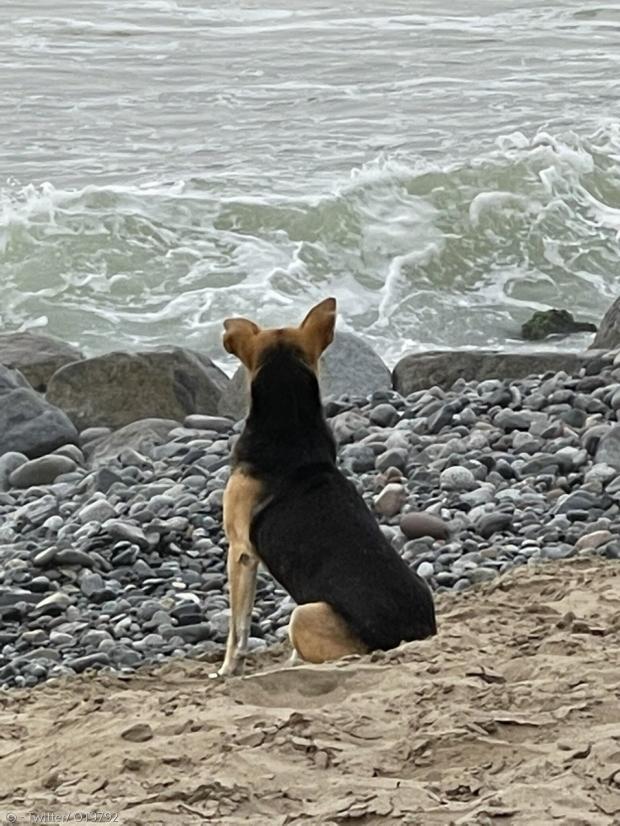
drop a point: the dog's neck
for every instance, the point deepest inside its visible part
(286, 427)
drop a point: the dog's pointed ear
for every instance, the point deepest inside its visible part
(318, 327)
(238, 338)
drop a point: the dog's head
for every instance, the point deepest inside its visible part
(249, 342)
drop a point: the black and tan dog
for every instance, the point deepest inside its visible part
(287, 505)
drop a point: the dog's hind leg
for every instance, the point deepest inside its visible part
(319, 634)
(241, 496)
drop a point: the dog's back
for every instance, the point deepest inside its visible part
(319, 540)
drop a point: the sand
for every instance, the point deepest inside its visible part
(511, 715)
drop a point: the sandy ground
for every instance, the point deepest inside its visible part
(511, 715)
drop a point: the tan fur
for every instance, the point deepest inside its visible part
(241, 496)
(246, 340)
(319, 634)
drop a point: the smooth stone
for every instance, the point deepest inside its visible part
(124, 530)
(593, 540)
(392, 458)
(45, 558)
(73, 556)
(391, 500)
(80, 664)
(8, 463)
(42, 471)
(198, 421)
(608, 450)
(384, 415)
(457, 478)
(425, 570)
(417, 525)
(98, 511)
(55, 603)
(491, 523)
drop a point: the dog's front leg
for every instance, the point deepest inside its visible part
(240, 498)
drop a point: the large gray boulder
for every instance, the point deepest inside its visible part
(28, 423)
(349, 365)
(608, 335)
(36, 356)
(118, 388)
(419, 371)
(141, 436)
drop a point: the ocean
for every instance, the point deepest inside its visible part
(444, 169)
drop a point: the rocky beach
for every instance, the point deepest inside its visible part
(496, 476)
(112, 475)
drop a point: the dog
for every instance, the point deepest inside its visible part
(286, 504)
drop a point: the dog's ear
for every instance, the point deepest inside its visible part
(238, 338)
(318, 327)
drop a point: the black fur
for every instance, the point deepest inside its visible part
(315, 534)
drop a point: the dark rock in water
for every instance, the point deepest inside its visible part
(36, 356)
(28, 423)
(608, 335)
(553, 322)
(41, 471)
(416, 525)
(141, 436)
(419, 371)
(348, 366)
(118, 388)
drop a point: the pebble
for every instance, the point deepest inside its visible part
(416, 525)
(457, 479)
(391, 499)
(42, 471)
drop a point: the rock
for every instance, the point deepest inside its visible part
(41, 471)
(491, 523)
(118, 388)
(593, 540)
(141, 436)
(510, 420)
(8, 463)
(348, 366)
(546, 323)
(28, 423)
(391, 500)
(384, 415)
(220, 424)
(73, 556)
(416, 525)
(608, 335)
(36, 356)
(53, 604)
(426, 570)
(457, 478)
(608, 449)
(80, 664)
(97, 511)
(124, 530)
(419, 371)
